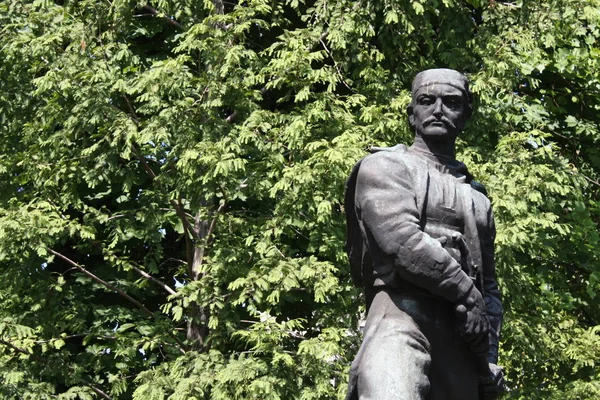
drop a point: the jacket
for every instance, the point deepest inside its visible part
(386, 212)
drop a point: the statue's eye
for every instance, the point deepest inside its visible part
(425, 100)
(453, 102)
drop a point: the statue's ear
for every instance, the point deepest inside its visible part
(411, 115)
(465, 117)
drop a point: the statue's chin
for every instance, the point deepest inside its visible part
(437, 133)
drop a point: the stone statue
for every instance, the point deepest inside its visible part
(421, 243)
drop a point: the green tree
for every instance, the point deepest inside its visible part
(172, 173)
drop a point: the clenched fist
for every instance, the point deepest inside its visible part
(472, 321)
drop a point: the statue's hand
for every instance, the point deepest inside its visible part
(473, 323)
(493, 385)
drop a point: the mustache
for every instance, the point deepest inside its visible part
(443, 119)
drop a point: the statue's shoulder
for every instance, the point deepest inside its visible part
(480, 187)
(387, 157)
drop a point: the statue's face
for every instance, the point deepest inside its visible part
(438, 111)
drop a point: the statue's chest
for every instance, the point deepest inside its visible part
(445, 200)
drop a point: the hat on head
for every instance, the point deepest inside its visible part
(442, 75)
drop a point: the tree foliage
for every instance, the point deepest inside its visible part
(172, 173)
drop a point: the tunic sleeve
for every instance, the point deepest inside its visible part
(491, 294)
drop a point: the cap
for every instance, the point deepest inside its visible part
(442, 75)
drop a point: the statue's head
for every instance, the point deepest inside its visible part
(441, 103)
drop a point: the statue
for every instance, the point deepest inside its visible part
(421, 243)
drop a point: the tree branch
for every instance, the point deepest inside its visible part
(153, 279)
(184, 217)
(200, 229)
(211, 228)
(219, 6)
(116, 289)
(102, 282)
(15, 348)
(155, 13)
(187, 225)
(95, 389)
(189, 230)
(198, 325)
(336, 66)
(590, 180)
(147, 168)
(131, 110)
(203, 232)
(231, 117)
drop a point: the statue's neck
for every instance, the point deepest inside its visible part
(441, 148)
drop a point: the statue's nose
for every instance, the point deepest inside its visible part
(437, 111)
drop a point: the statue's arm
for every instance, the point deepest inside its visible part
(492, 297)
(493, 386)
(386, 202)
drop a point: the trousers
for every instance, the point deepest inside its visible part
(411, 350)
